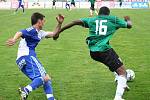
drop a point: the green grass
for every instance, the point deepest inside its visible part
(75, 75)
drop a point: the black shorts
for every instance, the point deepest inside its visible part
(53, 3)
(109, 58)
(92, 7)
(73, 3)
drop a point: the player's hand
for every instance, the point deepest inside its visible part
(60, 18)
(56, 37)
(126, 18)
(10, 42)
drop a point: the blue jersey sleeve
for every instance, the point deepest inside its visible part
(24, 33)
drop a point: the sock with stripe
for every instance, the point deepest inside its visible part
(48, 90)
(37, 82)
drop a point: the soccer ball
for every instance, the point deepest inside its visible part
(130, 75)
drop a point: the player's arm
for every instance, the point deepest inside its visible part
(60, 20)
(129, 23)
(67, 26)
(71, 24)
(12, 41)
(126, 23)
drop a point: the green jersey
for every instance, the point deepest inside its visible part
(92, 1)
(101, 30)
(72, 1)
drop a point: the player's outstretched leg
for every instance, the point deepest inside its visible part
(36, 73)
(24, 91)
(48, 88)
(111, 59)
(121, 83)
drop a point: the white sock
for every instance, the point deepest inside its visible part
(116, 76)
(29, 88)
(122, 83)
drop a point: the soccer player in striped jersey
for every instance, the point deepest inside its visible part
(27, 60)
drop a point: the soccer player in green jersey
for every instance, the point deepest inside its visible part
(101, 29)
(120, 3)
(54, 4)
(73, 4)
(92, 8)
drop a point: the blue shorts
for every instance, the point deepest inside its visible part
(20, 5)
(31, 67)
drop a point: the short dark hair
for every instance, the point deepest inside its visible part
(104, 11)
(35, 17)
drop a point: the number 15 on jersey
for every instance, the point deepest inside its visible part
(100, 28)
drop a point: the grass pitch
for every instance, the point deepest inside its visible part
(75, 75)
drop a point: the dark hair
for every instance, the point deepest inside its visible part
(35, 17)
(104, 11)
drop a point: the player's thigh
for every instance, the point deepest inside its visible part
(28, 71)
(109, 58)
(38, 67)
(33, 68)
(25, 65)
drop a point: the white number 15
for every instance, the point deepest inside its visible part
(100, 28)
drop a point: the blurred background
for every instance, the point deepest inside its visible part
(8, 4)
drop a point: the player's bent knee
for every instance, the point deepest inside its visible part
(121, 71)
(47, 78)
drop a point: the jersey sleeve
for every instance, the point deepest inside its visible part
(120, 23)
(42, 34)
(24, 33)
(86, 22)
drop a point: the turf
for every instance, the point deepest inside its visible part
(75, 75)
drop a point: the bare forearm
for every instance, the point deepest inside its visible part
(55, 32)
(17, 36)
(66, 27)
(73, 23)
(62, 29)
(129, 24)
(57, 29)
(12, 41)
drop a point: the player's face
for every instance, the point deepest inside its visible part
(41, 23)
